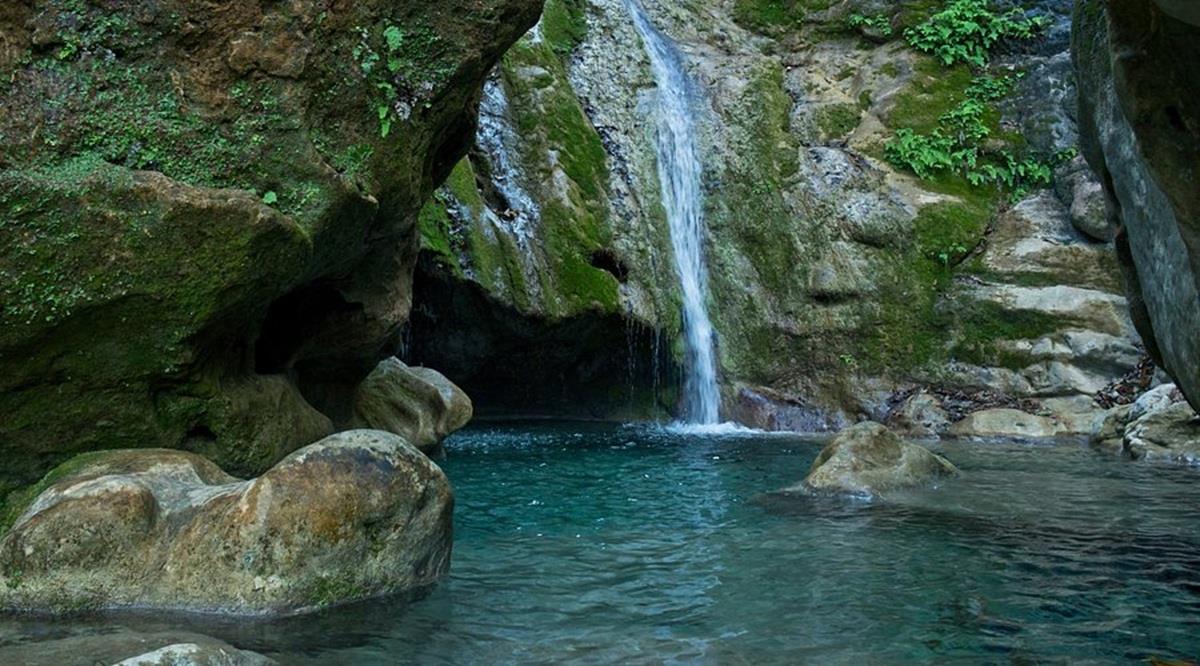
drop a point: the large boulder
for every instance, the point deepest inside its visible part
(201, 200)
(419, 404)
(868, 459)
(357, 515)
(1138, 68)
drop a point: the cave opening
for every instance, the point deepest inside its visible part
(513, 365)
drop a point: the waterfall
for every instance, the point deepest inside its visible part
(679, 175)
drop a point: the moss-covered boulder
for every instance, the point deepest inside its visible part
(357, 515)
(208, 213)
(869, 460)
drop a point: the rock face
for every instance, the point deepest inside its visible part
(127, 648)
(418, 404)
(208, 213)
(1138, 65)
(357, 515)
(869, 459)
(835, 278)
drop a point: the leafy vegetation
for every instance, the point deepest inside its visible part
(968, 30)
(965, 140)
(405, 55)
(880, 24)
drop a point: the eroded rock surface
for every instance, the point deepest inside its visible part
(868, 459)
(1010, 423)
(357, 515)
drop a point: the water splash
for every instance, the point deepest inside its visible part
(679, 174)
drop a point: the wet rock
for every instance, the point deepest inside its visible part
(419, 404)
(919, 415)
(1005, 423)
(130, 648)
(760, 407)
(1109, 436)
(356, 515)
(868, 459)
(1170, 433)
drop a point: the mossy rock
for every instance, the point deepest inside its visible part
(182, 218)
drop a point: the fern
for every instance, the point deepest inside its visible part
(968, 30)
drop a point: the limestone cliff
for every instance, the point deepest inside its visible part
(208, 212)
(837, 279)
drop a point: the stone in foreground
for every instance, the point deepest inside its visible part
(868, 459)
(419, 404)
(357, 515)
(128, 648)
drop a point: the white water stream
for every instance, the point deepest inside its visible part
(679, 174)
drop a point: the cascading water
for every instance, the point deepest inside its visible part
(679, 175)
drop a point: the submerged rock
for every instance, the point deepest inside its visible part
(419, 404)
(868, 459)
(130, 648)
(356, 515)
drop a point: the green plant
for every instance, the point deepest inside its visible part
(880, 24)
(968, 30)
(959, 144)
(403, 79)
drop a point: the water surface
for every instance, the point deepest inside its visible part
(600, 544)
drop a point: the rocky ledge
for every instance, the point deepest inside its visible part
(356, 515)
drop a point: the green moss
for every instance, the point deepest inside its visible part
(438, 233)
(981, 325)
(934, 91)
(947, 232)
(549, 117)
(909, 331)
(837, 120)
(333, 590)
(18, 501)
(775, 15)
(564, 25)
